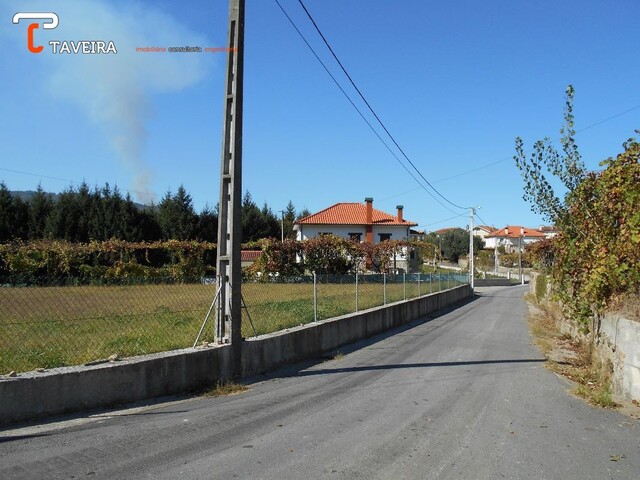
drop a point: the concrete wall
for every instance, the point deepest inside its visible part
(493, 282)
(69, 389)
(398, 232)
(267, 352)
(37, 394)
(619, 340)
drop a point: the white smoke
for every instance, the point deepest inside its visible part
(115, 91)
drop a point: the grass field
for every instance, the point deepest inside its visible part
(47, 327)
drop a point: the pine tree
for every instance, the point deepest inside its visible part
(40, 207)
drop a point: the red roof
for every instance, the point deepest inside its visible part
(250, 255)
(514, 232)
(351, 214)
(486, 228)
(442, 231)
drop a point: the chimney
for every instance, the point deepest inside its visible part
(369, 202)
(399, 208)
(369, 220)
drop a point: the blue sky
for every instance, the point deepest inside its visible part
(454, 81)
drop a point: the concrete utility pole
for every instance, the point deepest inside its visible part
(229, 313)
(473, 212)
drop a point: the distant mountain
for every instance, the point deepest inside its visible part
(27, 195)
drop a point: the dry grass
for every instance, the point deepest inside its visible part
(47, 327)
(571, 358)
(627, 305)
(224, 389)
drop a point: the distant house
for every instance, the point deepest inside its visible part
(442, 231)
(362, 223)
(483, 231)
(549, 231)
(355, 221)
(511, 235)
(248, 257)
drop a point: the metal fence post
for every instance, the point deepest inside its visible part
(448, 281)
(384, 287)
(431, 283)
(356, 291)
(404, 285)
(419, 293)
(315, 298)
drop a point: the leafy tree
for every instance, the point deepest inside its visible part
(455, 243)
(176, 215)
(6, 213)
(14, 214)
(207, 225)
(148, 224)
(598, 258)
(304, 213)
(40, 207)
(258, 223)
(279, 257)
(546, 160)
(331, 254)
(62, 223)
(289, 219)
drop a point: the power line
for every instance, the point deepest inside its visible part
(442, 221)
(65, 180)
(371, 108)
(491, 164)
(480, 218)
(355, 106)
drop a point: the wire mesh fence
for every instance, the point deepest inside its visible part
(68, 321)
(281, 303)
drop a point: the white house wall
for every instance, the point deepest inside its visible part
(311, 231)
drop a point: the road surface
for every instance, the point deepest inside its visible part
(464, 395)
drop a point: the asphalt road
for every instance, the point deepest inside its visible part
(464, 395)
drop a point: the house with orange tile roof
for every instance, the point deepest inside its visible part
(510, 237)
(483, 231)
(362, 223)
(355, 221)
(248, 257)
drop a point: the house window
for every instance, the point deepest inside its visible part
(384, 236)
(356, 237)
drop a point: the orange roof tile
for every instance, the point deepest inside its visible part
(514, 232)
(351, 214)
(486, 228)
(442, 231)
(250, 255)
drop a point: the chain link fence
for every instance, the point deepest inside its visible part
(68, 321)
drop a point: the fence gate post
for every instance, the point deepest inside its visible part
(404, 285)
(356, 291)
(315, 298)
(384, 287)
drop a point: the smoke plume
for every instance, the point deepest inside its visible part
(116, 91)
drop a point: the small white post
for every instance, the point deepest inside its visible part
(384, 287)
(404, 285)
(356, 291)
(315, 298)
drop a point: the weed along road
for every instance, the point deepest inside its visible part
(464, 395)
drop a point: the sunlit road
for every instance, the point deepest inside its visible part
(464, 395)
